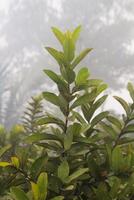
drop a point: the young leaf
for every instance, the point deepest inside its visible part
(15, 161)
(63, 170)
(68, 47)
(101, 88)
(18, 194)
(82, 76)
(76, 33)
(58, 56)
(59, 35)
(79, 58)
(5, 164)
(42, 183)
(35, 190)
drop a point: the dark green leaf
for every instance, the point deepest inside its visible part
(18, 194)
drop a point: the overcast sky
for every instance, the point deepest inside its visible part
(25, 28)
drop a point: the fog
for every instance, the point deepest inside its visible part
(25, 28)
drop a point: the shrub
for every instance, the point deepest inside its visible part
(83, 153)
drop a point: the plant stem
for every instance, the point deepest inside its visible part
(67, 112)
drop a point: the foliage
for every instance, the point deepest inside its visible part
(34, 112)
(83, 153)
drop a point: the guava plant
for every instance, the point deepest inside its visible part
(81, 154)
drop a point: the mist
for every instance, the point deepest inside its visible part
(25, 29)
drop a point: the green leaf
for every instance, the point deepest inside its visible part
(38, 165)
(86, 98)
(94, 82)
(68, 74)
(5, 164)
(56, 78)
(124, 104)
(50, 119)
(59, 35)
(68, 47)
(78, 117)
(76, 33)
(115, 121)
(63, 170)
(42, 183)
(76, 174)
(58, 56)
(95, 106)
(68, 139)
(129, 129)
(51, 97)
(18, 193)
(109, 130)
(101, 88)
(56, 100)
(82, 76)
(41, 136)
(116, 159)
(75, 128)
(58, 198)
(5, 149)
(130, 88)
(35, 190)
(85, 127)
(79, 58)
(99, 117)
(15, 161)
